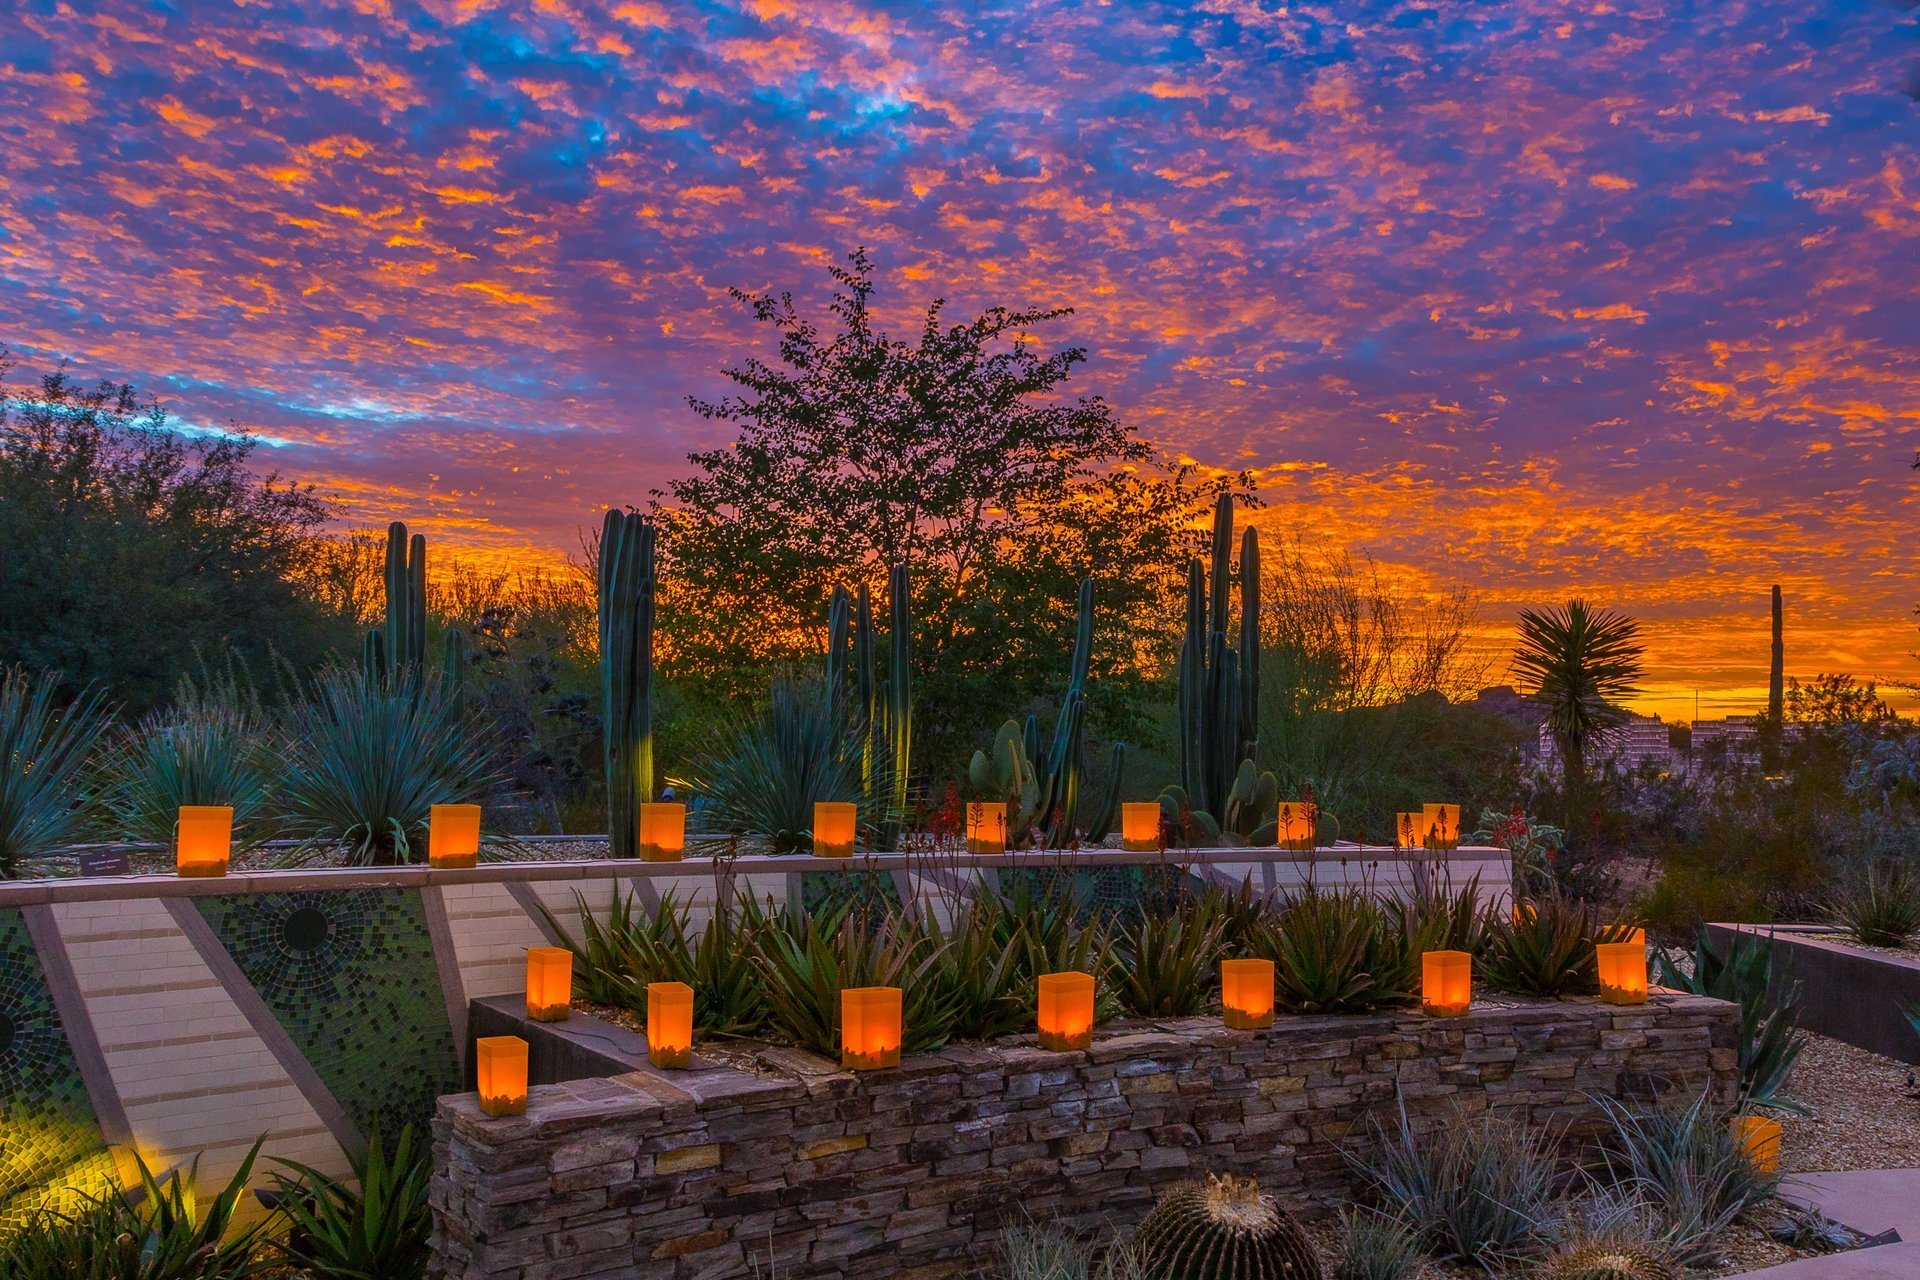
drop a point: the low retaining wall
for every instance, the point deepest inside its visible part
(1846, 991)
(811, 1171)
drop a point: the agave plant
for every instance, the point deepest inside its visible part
(369, 758)
(1170, 964)
(211, 747)
(1545, 947)
(617, 955)
(1879, 904)
(44, 752)
(158, 1230)
(373, 1225)
(1770, 1037)
(769, 773)
(1443, 919)
(805, 963)
(1336, 951)
(979, 969)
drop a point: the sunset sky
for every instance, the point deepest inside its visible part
(1614, 299)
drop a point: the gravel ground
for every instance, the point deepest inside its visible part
(1863, 1112)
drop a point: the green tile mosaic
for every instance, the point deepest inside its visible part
(350, 974)
(51, 1151)
(820, 890)
(1113, 894)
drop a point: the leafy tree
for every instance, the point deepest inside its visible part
(134, 553)
(952, 452)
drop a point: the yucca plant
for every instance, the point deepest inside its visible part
(1169, 965)
(45, 790)
(1770, 1039)
(373, 1226)
(212, 747)
(1544, 947)
(770, 771)
(1479, 1190)
(159, 1230)
(1878, 904)
(1688, 1166)
(369, 758)
(1336, 951)
(804, 964)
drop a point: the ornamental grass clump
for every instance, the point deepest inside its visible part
(45, 748)
(1687, 1167)
(1480, 1190)
(1377, 1245)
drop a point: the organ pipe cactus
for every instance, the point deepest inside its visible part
(900, 684)
(626, 589)
(397, 648)
(1219, 686)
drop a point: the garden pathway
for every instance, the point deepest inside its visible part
(1870, 1201)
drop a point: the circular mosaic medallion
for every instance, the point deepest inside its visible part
(306, 929)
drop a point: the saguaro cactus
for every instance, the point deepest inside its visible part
(1776, 674)
(626, 671)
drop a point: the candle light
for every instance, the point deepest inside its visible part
(1760, 1139)
(1623, 972)
(1446, 983)
(1440, 825)
(203, 840)
(1246, 994)
(869, 1028)
(663, 832)
(1409, 830)
(1140, 826)
(500, 1063)
(1296, 827)
(453, 835)
(834, 823)
(549, 983)
(669, 1024)
(987, 826)
(1066, 1010)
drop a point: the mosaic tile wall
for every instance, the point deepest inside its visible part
(820, 890)
(51, 1151)
(351, 976)
(1113, 894)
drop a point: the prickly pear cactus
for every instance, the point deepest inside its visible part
(1607, 1262)
(1223, 1229)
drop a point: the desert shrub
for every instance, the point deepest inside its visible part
(210, 747)
(158, 1230)
(1770, 1039)
(1482, 1191)
(367, 759)
(1336, 951)
(373, 1224)
(1545, 947)
(1688, 1166)
(1879, 904)
(1377, 1245)
(45, 791)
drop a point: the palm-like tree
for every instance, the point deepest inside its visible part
(1583, 663)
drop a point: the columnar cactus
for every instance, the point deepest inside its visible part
(626, 583)
(1219, 697)
(900, 683)
(397, 648)
(1223, 1229)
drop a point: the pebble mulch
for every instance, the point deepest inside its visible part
(1862, 1111)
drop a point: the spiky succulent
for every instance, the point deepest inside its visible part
(1224, 1229)
(1608, 1261)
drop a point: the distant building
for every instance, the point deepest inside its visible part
(1638, 742)
(1734, 740)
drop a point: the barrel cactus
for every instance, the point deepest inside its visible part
(1608, 1261)
(1223, 1229)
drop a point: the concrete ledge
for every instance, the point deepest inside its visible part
(796, 1164)
(1847, 992)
